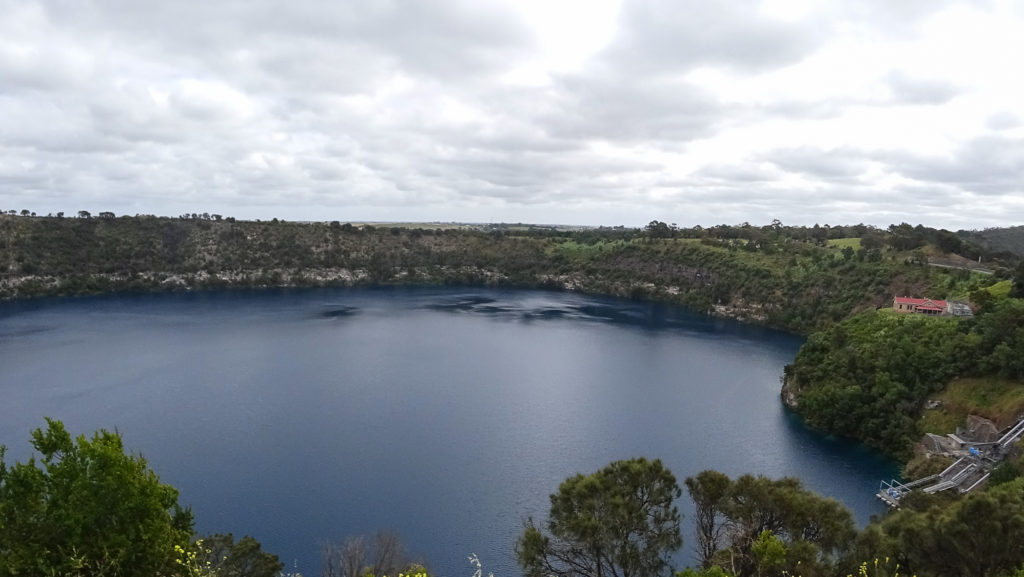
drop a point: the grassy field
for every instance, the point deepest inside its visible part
(842, 243)
(1001, 289)
(999, 400)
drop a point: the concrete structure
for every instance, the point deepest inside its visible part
(959, 309)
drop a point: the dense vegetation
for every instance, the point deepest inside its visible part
(621, 522)
(997, 241)
(798, 278)
(980, 534)
(88, 508)
(868, 377)
(618, 522)
(756, 525)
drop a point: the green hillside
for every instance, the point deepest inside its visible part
(1008, 240)
(796, 278)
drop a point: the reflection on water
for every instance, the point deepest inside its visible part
(446, 415)
(334, 311)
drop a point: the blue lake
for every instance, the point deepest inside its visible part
(447, 415)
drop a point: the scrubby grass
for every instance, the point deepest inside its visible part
(419, 225)
(1000, 400)
(941, 421)
(1001, 289)
(575, 251)
(887, 312)
(842, 243)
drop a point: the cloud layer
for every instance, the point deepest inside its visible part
(598, 112)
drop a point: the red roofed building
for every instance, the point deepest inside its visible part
(920, 306)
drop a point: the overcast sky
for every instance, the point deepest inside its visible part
(598, 112)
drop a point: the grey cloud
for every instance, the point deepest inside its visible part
(746, 172)
(1003, 120)
(13, 173)
(669, 36)
(621, 108)
(524, 177)
(907, 89)
(307, 66)
(828, 165)
(904, 89)
(46, 71)
(988, 165)
(133, 118)
(34, 58)
(426, 37)
(937, 202)
(514, 140)
(802, 109)
(892, 19)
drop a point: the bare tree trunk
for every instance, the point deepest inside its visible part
(328, 559)
(345, 559)
(388, 555)
(385, 556)
(353, 557)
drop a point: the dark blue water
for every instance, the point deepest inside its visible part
(448, 416)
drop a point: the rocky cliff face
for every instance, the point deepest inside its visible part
(790, 392)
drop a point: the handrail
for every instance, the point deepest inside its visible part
(919, 482)
(976, 483)
(951, 467)
(893, 491)
(1012, 434)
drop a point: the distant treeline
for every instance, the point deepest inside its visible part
(797, 278)
(1002, 242)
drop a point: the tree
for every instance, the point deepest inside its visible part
(87, 507)
(617, 522)
(658, 229)
(242, 558)
(769, 552)
(979, 535)
(383, 555)
(713, 571)
(762, 513)
(872, 240)
(708, 491)
(1017, 289)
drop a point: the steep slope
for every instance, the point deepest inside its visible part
(779, 276)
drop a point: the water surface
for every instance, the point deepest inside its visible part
(448, 415)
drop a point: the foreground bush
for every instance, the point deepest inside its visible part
(86, 507)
